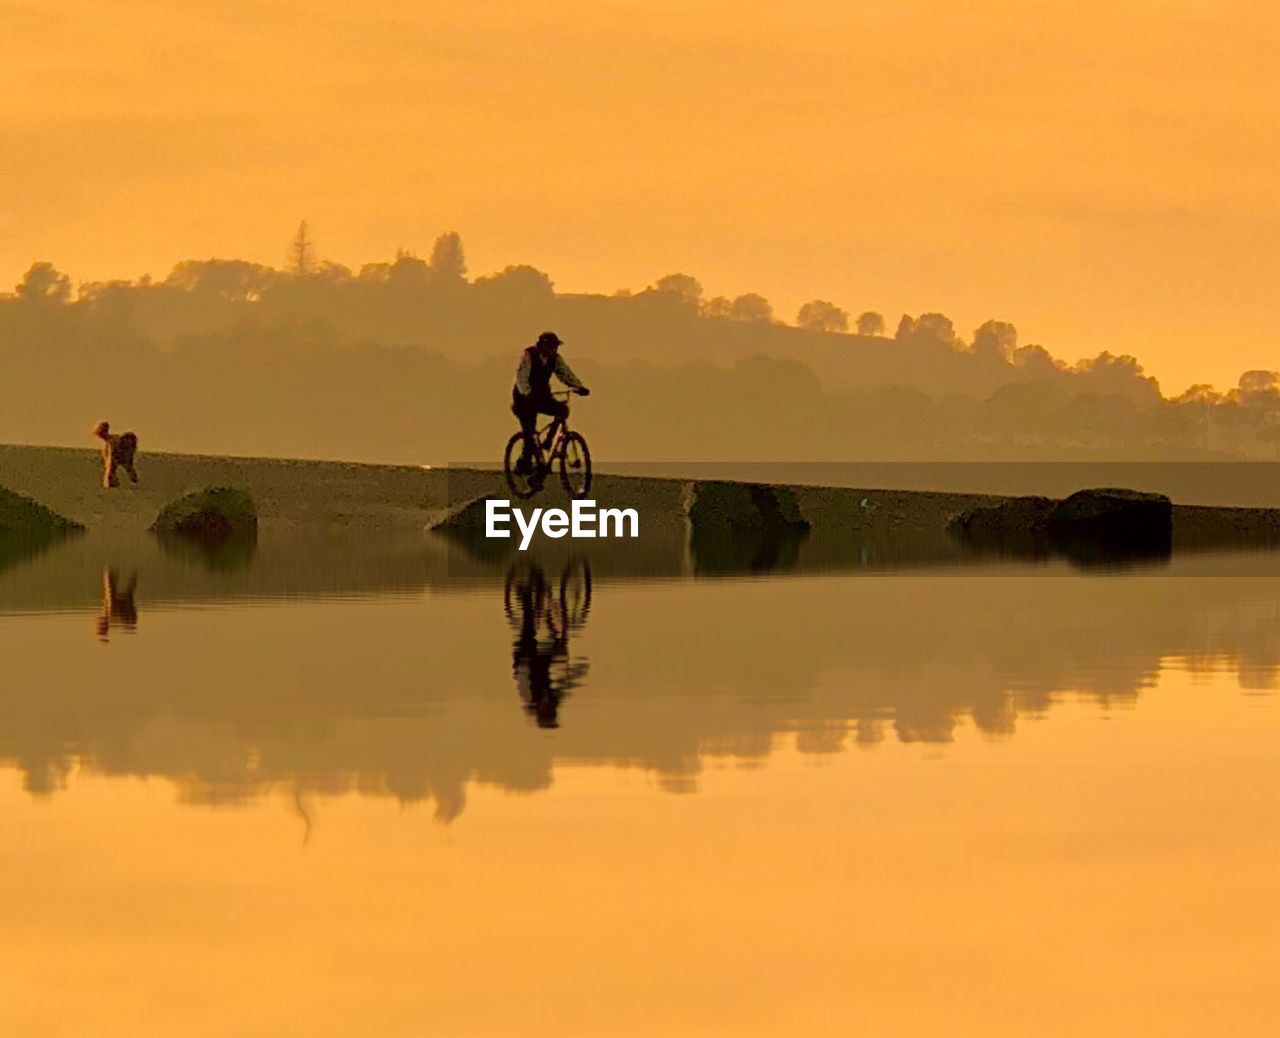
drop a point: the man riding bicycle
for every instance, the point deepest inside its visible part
(531, 394)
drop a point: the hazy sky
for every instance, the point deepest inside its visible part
(1103, 175)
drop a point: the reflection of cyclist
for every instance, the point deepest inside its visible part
(531, 394)
(540, 665)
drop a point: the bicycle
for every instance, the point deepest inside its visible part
(553, 442)
(541, 662)
(527, 586)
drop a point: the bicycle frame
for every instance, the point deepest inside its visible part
(552, 443)
(547, 455)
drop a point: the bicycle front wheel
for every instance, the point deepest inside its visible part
(575, 465)
(523, 484)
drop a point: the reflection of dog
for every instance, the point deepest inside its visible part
(117, 453)
(118, 605)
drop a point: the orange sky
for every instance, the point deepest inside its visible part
(1103, 175)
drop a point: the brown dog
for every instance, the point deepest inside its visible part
(117, 453)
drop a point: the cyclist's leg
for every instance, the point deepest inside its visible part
(559, 412)
(526, 411)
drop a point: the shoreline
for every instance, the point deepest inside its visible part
(306, 494)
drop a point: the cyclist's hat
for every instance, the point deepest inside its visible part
(550, 339)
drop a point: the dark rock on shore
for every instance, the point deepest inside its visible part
(27, 528)
(465, 517)
(464, 523)
(743, 508)
(743, 527)
(1018, 514)
(22, 517)
(1115, 514)
(212, 515)
(1091, 527)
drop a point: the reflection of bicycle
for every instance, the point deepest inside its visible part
(528, 587)
(543, 615)
(552, 443)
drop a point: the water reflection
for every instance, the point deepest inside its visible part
(719, 553)
(119, 608)
(544, 614)
(222, 554)
(408, 695)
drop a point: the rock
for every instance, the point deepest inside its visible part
(743, 527)
(1114, 514)
(1091, 527)
(463, 524)
(465, 518)
(1017, 516)
(22, 517)
(212, 515)
(27, 528)
(743, 508)
(1111, 526)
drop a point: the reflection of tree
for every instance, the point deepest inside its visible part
(118, 606)
(543, 616)
(724, 671)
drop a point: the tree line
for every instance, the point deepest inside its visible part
(312, 338)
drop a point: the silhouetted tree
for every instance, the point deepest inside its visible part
(520, 288)
(302, 252)
(374, 272)
(717, 306)
(44, 283)
(1036, 360)
(448, 263)
(1269, 432)
(935, 327)
(870, 323)
(96, 291)
(333, 273)
(1025, 411)
(906, 326)
(751, 307)
(821, 316)
(408, 270)
(685, 286)
(1201, 394)
(995, 339)
(1120, 375)
(236, 281)
(1259, 383)
(1200, 400)
(518, 285)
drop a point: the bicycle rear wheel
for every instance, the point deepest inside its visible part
(575, 593)
(575, 465)
(521, 484)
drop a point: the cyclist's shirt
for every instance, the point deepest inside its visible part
(533, 377)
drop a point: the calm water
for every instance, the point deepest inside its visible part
(338, 787)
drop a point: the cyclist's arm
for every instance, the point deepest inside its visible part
(565, 374)
(522, 375)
